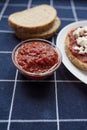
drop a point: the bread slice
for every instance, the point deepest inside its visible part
(79, 64)
(35, 19)
(46, 34)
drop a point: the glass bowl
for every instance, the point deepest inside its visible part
(40, 74)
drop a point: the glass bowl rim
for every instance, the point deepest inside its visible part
(51, 70)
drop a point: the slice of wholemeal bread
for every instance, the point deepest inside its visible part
(36, 19)
(45, 34)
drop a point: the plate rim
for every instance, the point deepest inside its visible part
(76, 71)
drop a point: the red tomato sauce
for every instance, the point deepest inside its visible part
(36, 56)
(73, 43)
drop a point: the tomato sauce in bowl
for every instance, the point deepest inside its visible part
(36, 58)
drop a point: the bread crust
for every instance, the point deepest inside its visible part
(36, 19)
(38, 29)
(45, 34)
(79, 64)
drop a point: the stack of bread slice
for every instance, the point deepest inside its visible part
(37, 22)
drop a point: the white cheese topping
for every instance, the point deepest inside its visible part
(81, 40)
(80, 31)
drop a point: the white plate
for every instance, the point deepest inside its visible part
(81, 75)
